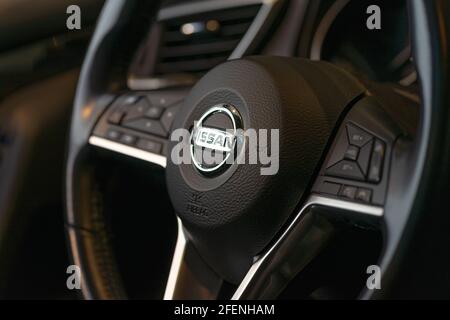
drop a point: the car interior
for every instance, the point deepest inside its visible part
(95, 120)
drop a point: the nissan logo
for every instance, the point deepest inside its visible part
(214, 138)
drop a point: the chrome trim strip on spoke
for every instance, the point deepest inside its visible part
(176, 263)
(346, 205)
(313, 200)
(129, 151)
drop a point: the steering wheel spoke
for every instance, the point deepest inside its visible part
(190, 278)
(304, 239)
(351, 188)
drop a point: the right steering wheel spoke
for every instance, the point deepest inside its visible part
(350, 189)
(138, 125)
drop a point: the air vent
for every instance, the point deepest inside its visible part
(199, 42)
(191, 37)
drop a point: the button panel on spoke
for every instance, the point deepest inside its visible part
(354, 150)
(141, 120)
(356, 168)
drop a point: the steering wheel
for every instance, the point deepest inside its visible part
(351, 153)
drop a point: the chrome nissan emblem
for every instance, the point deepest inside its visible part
(214, 137)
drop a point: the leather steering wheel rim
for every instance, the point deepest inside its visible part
(91, 247)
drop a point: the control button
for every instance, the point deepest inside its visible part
(346, 169)
(339, 149)
(126, 100)
(164, 100)
(116, 116)
(129, 99)
(348, 192)
(363, 195)
(168, 116)
(147, 126)
(150, 146)
(154, 112)
(330, 188)
(364, 157)
(128, 139)
(352, 153)
(376, 163)
(137, 111)
(357, 136)
(113, 134)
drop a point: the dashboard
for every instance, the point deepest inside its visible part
(189, 39)
(364, 50)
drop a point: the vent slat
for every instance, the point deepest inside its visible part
(229, 16)
(236, 29)
(225, 31)
(201, 40)
(198, 49)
